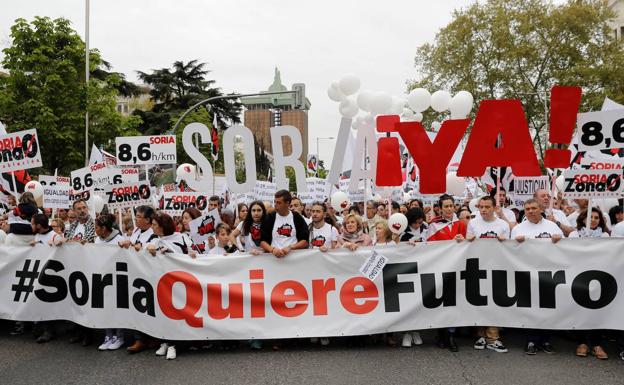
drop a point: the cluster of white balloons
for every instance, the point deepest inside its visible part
(397, 222)
(460, 105)
(411, 107)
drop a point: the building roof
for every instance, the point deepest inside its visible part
(275, 100)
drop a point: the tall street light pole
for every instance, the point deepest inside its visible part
(87, 82)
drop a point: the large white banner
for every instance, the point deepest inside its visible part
(536, 284)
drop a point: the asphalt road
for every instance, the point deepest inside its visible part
(22, 361)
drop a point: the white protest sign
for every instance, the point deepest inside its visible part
(90, 177)
(265, 191)
(20, 151)
(592, 183)
(174, 203)
(525, 187)
(321, 189)
(602, 164)
(158, 149)
(373, 265)
(309, 196)
(128, 195)
(51, 180)
(56, 197)
(600, 130)
(121, 175)
(204, 226)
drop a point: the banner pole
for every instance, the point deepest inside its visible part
(133, 219)
(589, 211)
(498, 183)
(553, 184)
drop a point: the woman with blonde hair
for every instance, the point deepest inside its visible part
(353, 234)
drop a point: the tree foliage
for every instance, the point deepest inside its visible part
(176, 89)
(520, 49)
(46, 89)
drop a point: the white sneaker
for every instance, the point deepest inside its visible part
(162, 350)
(171, 353)
(407, 340)
(115, 343)
(105, 344)
(497, 346)
(480, 344)
(416, 338)
(324, 341)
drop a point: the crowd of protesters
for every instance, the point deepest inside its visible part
(287, 224)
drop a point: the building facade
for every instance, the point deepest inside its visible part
(617, 6)
(263, 112)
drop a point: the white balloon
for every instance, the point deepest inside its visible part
(377, 198)
(339, 201)
(606, 204)
(407, 196)
(35, 188)
(96, 203)
(381, 103)
(335, 94)
(435, 126)
(455, 185)
(461, 105)
(348, 108)
(397, 105)
(419, 99)
(364, 100)
(474, 204)
(185, 171)
(349, 84)
(397, 223)
(441, 100)
(418, 117)
(407, 113)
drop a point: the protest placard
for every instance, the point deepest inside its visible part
(20, 151)
(158, 149)
(592, 183)
(128, 195)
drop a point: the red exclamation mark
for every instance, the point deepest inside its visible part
(564, 105)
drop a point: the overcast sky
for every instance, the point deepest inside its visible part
(314, 42)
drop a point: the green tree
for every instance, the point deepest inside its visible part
(46, 89)
(520, 49)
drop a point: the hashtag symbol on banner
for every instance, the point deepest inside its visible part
(26, 282)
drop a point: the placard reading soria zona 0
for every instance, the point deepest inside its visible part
(20, 151)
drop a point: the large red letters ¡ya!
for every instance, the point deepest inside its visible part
(499, 138)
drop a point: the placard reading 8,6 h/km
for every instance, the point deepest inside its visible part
(157, 149)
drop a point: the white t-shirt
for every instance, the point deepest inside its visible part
(559, 216)
(481, 228)
(252, 240)
(323, 236)
(284, 232)
(543, 229)
(79, 232)
(143, 238)
(47, 237)
(583, 233)
(116, 239)
(618, 230)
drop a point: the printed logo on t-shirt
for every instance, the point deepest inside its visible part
(255, 234)
(544, 235)
(207, 226)
(318, 241)
(285, 230)
(489, 234)
(78, 237)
